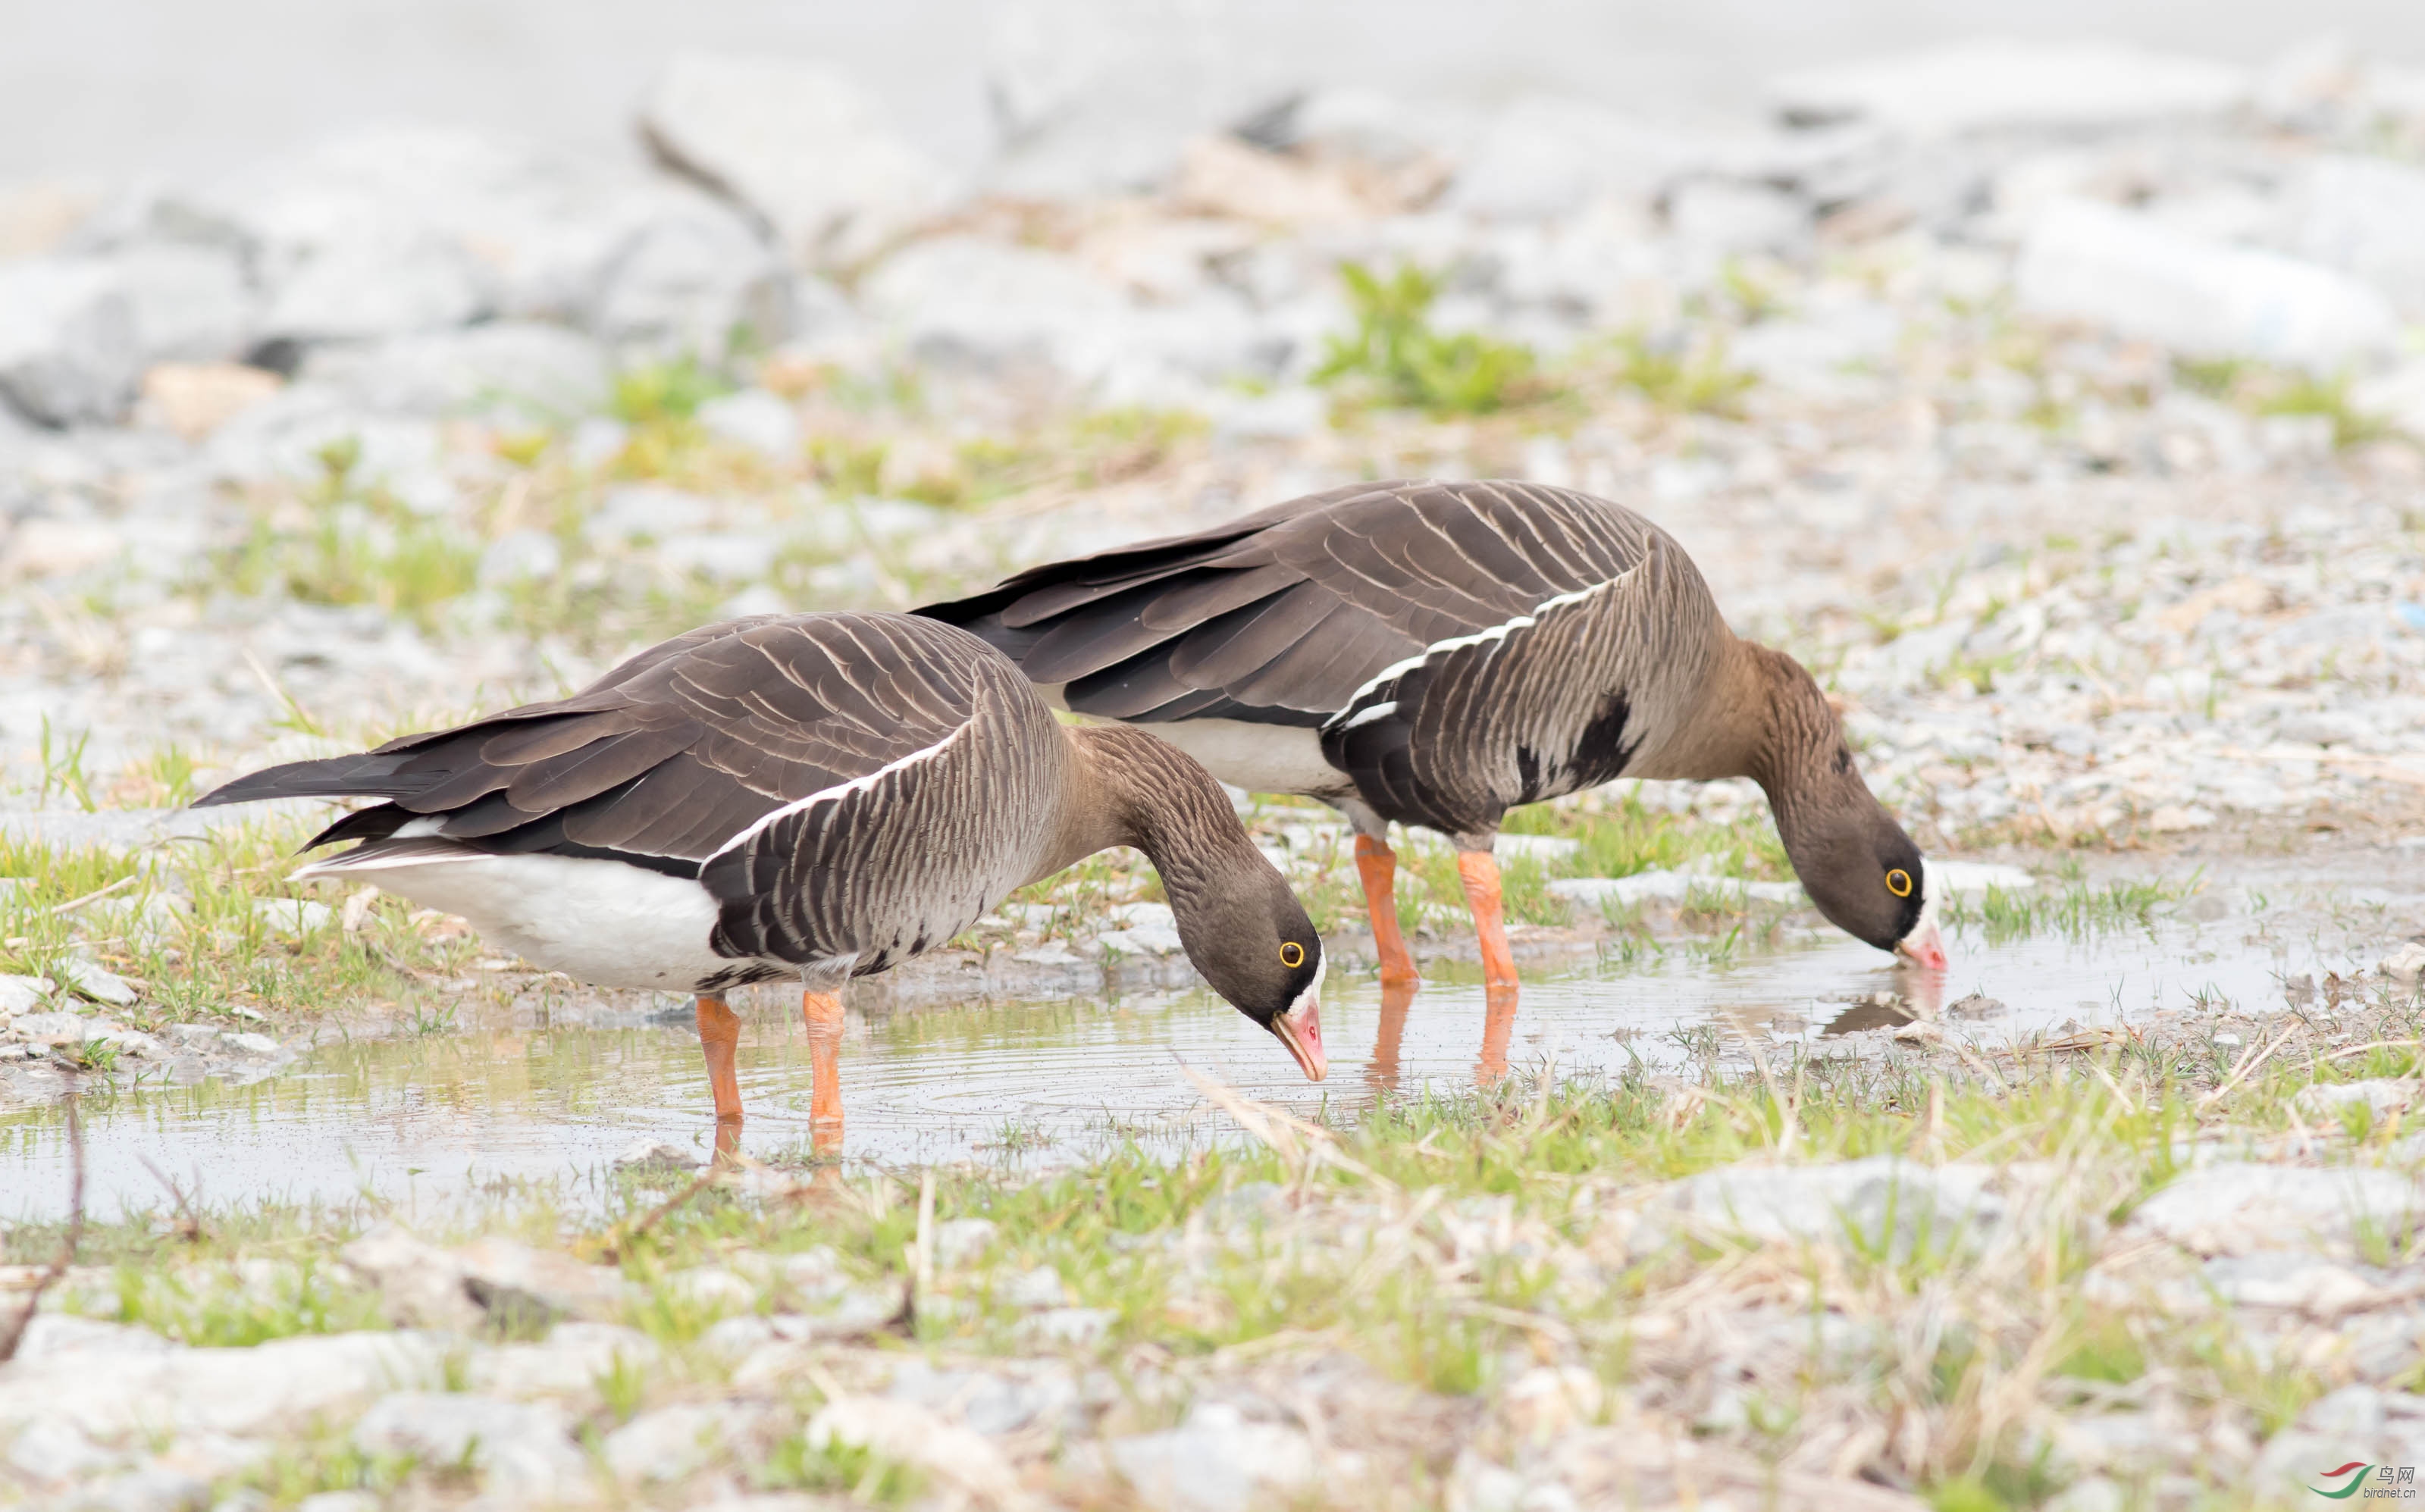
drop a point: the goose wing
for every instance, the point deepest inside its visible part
(1283, 616)
(681, 759)
(1461, 647)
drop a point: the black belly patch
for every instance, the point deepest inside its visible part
(1601, 754)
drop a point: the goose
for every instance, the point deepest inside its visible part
(1435, 653)
(811, 795)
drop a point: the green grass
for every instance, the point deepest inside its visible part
(221, 1309)
(2264, 389)
(2074, 908)
(220, 954)
(1689, 376)
(1395, 357)
(347, 542)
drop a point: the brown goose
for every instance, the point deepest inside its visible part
(1436, 654)
(819, 796)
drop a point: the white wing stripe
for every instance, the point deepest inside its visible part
(1379, 711)
(840, 790)
(1441, 648)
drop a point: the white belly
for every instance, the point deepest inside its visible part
(598, 920)
(1258, 758)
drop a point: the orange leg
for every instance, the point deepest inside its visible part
(1382, 1074)
(1479, 871)
(1497, 1027)
(823, 1012)
(1377, 865)
(719, 1036)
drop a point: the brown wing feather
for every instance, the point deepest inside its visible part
(1414, 563)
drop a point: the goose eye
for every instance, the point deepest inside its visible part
(1292, 954)
(1898, 882)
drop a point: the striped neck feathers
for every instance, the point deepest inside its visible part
(1131, 789)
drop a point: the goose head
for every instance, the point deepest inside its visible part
(1250, 938)
(1871, 882)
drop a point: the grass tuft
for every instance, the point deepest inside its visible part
(1396, 358)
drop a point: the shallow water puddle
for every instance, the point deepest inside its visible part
(437, 1117)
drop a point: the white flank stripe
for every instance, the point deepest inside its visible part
(841, 789)
(420, 829)
(1441, 648)
(1379, 711)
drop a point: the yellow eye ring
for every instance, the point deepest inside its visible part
(1898, 882)
(1292, 954)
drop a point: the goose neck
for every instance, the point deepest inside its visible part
(1127, 788)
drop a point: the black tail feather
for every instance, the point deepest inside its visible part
(368, 775)
(376, 823)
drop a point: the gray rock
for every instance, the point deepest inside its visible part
(52, 1334)
(987, 1403)
(50, 1451)
(2284, 1279)
(957, 1241)
(292, 918)
(686, 277)
(288, 436)
(1094, 97)
(765, 423)
(1039, 1288)
(674, 1443)
(567, 1363)
(2094, 1493)
(361, 288)
(524, 1449)
(154, 1489)
(651, 511)
(2406, 963)
(596, 441)
(521, 555)
(23, 995)
(723, 555)
(799, 143)
(512, 369)
(69, 353)
(450, 224)
(2379, 1096)
(975, 303)
(2124, 269)
(1216, 1461)
(2234, 1208)
(1544, 155)
(190, 303)
(54, 1028)
(2366, 215)
(907, 1433)
(2006, 83)
(89, 980)
(1360, 126)
(1881, 1203)
(1717, 218)
(226, 1391)
(489, 1278)
(339, 1502)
